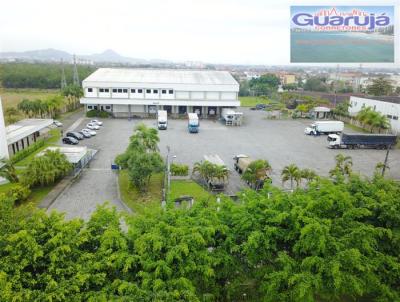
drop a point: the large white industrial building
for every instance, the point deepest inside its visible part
(389, 106)
(141, 92)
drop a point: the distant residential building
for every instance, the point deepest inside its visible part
(287, 79)
(388, 106)
(252, 75)
(141, 92)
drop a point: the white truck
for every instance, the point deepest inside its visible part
(324, 127)
(193, 123)
(162, 119)
(231, 117)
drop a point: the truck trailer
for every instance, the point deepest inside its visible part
(193, 123)
(353, 141)
(241, 164)
(216, 184)
(324, 127)
(162, 119)
(231, 117)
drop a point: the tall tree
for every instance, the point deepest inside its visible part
(380, 86)
(257, 172)
(291, 173)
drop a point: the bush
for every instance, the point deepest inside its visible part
(97, 113)
(27, 151)
(179, 170)
(18, 193)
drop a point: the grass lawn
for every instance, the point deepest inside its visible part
(137, 201)
(356, 128)
(251, 101)
(188, 187)
(11, 97)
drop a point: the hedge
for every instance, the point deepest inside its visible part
(97, 113)
(179, 169)
(27, 151)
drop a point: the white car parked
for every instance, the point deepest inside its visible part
(93, 126)
(57, 123)
(97, 122)
(91, 132)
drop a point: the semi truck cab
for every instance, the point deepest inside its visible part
(334, 140)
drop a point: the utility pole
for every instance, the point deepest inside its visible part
(386, 161)
(63, 80)
(76, 75)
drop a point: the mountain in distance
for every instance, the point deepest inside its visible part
(55, 55)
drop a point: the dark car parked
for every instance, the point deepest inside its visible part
(75, 135)
(70, 140)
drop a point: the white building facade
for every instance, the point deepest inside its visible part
(141, 92)
(388, 108)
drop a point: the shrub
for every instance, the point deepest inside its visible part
(46, 169)
(179, 170)
(18, 193)
(97, 113)
(27, 151)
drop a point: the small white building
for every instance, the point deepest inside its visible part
(389, 106)
(26, 132)
(141, 92)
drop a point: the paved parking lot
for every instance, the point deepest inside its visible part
(281, 142)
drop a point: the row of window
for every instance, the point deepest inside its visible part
(133, 90)
(392, 117)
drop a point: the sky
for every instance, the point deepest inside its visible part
(213, 31)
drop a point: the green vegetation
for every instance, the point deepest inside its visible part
(251, 101)
(97, 113)
(373, 119)
(12, 97)
(141, 159)
(46, 169)
(190, 188)
(137, 200)
(316, 84)
(380, 86)
(42, 76)
(266, 84)
(7, 170)
(179, 169)
(256, 173)
(334, 241)
(208, 171)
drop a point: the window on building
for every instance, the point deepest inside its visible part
(101, 90)
(115, 90)
(164, 91)
(395, 117)
(125, 90)
(108, 107)
(155, 91)
(90, 107)
(119, 90)
(389, 116)
(133, 90)
(106, 90)
(148, 90)
(170, 91)
(90, 89)
(140, 90)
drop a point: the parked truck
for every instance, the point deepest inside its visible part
(162, 119)
(216, 184)
(352, 141)
(241, 163)
(231, 117)
(193, 123)
(324, 127)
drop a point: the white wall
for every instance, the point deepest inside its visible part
(3, 137)
(91, 94)
(389, 109)
(228, 96)
(197, 95)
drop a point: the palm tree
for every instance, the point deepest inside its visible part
(204, 169)
(344, 163)
(256, 172)
(308, 174)
(220, 172)
(145, 137)
(292, 173)
(26, 107)
(7, 170)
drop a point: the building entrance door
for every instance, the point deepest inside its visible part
(182, 109)
(197, 109)
(168, 109)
